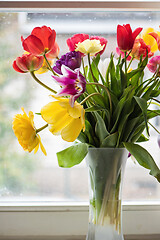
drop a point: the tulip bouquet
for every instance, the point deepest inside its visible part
(96, 106)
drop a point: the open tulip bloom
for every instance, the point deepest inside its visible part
(98, 109)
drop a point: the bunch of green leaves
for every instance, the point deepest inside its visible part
(116, 111)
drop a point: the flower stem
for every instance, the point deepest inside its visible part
(42, 84)
(89, 96)
(125, 63)
(156, 100)
(154, 128)
(49, 66)
(40, 129)
(130, 63)
(89, 62)
(106, 89)
(83, 68)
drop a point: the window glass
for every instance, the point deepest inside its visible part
(29, 177)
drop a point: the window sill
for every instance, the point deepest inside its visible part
(32, 221)
(129, 237)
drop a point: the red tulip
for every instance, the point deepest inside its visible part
(103, 41)
(54, 52)
(125, 37)
(141, 49)
(72, 42)
(27, 63)
(41, 40)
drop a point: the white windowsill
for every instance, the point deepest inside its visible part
(54, 220)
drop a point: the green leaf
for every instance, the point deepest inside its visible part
(83, 138)
(120, 105)
(94, 63)
(73, 155)
(143, 158)
(123, 80)
(89, 132)
(114, 81)
(155, 93)
(131, 124)
(100, 128)
(94, 108)
(152, 113)
(149, 91)
(100, 100)
(142, 138)
(143, 105)
(137, 133)
(110, 141)
(134, 72)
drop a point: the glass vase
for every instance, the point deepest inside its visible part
(106, 168)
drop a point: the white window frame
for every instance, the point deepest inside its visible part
(51, 220)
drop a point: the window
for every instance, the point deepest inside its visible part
(32, 187)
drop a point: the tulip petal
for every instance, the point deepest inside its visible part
(33, 45)
(22, 63)
(149, 40)
(122, 37)
(128, 28)
(16, 68)
(60, 124)
(66, 71)
(75, 39)
(75, 111)
(52, 112)
(72, 130)
(42, 33)
(51, 40)
(41, 146)
(68, 90)
(136, 32)
(54, 52)
(63, 81)
(157, 38)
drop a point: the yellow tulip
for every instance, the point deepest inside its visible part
(25, 131)
(89, 46)
(149, 40)
(64, 119)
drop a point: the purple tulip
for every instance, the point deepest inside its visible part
(70, 59)
(73, 83)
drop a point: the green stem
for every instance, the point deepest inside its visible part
(83, 68)
(40, 129)
(89, 62)
(106, 89)
(154, 111)
(156, 73)
(130, 63)
(154, 128)
(42, 84)
(89, 96)
(156, 100)
(49, 66)
(125, 63)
